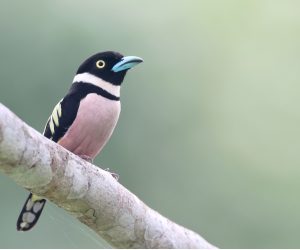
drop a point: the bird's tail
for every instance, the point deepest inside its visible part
(30, 213)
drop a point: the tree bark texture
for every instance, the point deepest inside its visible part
(87, 192)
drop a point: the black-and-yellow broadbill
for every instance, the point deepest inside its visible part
(84, 120)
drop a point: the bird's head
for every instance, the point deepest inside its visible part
(110, 66)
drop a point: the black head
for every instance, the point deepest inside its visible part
(110, 66)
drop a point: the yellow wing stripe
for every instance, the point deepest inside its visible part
(51, 125)
(58, 107)
(46, 125)
(55, 116)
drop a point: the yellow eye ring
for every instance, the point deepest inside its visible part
(100, 64)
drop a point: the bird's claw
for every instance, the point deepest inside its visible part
(115, 175)
(86, 158)
(90, 160)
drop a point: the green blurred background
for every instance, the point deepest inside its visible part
(209, 130)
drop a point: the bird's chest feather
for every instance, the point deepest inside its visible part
(94, 123)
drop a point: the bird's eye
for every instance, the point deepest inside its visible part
(100, 64)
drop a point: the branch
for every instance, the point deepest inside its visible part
(89, 193)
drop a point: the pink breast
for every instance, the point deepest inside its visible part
(95, 121)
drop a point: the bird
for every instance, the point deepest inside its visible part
(84, 120)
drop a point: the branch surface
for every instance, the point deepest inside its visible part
(87, 192)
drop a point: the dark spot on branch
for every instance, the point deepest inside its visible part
(33, 165)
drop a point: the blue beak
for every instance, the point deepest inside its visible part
(127, 62)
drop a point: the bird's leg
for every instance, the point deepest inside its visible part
(86, 158)
(115, 175)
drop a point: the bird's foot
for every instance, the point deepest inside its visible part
(115, 175)
(86, 158)
(90, 160)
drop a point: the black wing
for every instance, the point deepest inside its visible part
(63, 115)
